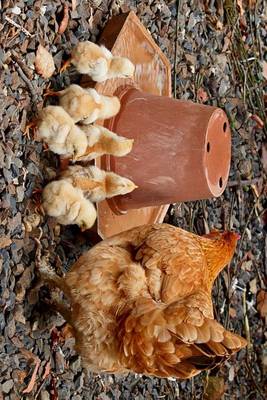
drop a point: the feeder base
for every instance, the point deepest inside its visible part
(125, 36)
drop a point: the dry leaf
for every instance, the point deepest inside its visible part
(5, 241)
(47, 370)
(53, 389)
(262, 303)
(253, 286)
(33, 378)
(246, 265)
(226, 42)
(202, 95)
(264, 156)
(264, 69)
(31, 357)
(240, 7)
(214, 389)
(20, 375)
(258, 120)
(44, 63)
(252, 3)
(241, 10)
(65, 20)
(232, 312)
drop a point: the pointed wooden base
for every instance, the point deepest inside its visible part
(125, 35)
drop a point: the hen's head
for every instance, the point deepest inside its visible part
(219, 249)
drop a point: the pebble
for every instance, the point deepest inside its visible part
(20, 193)
(16, 10)
(44, 395)
(7, 386)
(75, 365)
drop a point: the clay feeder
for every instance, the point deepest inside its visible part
(181, 151)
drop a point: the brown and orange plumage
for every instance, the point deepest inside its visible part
(141, 301)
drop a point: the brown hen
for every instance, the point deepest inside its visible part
(141, 301)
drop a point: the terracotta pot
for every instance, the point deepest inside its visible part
(182, 150)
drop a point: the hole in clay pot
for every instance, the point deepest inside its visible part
(220, 182)
(224, 127)
(208, 147)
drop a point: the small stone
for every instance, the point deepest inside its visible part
(18, 269)
(11, 328)
(20, 193)
(7, 386)
(78, 383)
(75, 365)
(60, 361)
(16, 10)
(44, 395)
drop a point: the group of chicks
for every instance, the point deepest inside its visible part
(69, 131)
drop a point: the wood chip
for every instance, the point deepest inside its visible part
(262, 303)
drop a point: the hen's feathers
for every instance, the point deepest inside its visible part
(176, 340)
(130, 311)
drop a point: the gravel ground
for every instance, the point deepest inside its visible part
(218, 57)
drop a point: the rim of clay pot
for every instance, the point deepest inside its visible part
(218, 127)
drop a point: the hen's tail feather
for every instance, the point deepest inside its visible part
(154, 343)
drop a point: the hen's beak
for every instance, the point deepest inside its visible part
(65, 65)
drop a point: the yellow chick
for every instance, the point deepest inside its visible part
(102, 141)
(56, 128)
(96, 184)
(86, 105)
(68, 205)
(99, 63)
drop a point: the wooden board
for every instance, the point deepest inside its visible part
(125, 35)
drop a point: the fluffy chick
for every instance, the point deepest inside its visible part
(102, 141)
(56, 128)
(99, 63)
(68, 204)
(96, 184)
(86, 105)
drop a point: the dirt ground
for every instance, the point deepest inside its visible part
(217, 54)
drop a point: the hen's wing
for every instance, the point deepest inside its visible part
(179, 340)
(172, 258)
